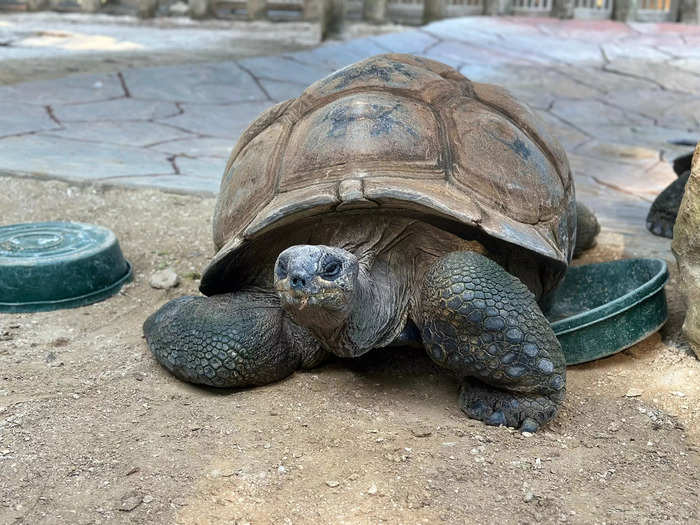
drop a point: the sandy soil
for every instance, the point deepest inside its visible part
(93, 430)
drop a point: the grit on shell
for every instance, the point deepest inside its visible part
(92, 430)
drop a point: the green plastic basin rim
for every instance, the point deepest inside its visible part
(58, 264)
(81, 300)
(619, 305)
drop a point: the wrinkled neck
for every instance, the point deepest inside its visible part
(372, 319)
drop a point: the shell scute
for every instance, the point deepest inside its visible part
(500, 162)
(357, 132)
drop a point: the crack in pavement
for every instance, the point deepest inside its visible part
(619, 188)
(52, 116)
(257, 82)
(631, 75)
(122, 81)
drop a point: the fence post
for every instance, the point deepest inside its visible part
(335, 18)
(37, 5)
(563, 8)
(90, 6)
(313, 9)
(317, 11)
(625, 10)
(147, 8)
(690, 12)
(201, 8)
(374, 11)
(256, 9)
(434, 10)
(498, 7)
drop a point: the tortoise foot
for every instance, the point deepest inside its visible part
(587, 229)
(499, 407)
(664, 210)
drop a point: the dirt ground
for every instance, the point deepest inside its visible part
(93, 430)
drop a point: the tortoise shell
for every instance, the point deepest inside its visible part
(401, 134)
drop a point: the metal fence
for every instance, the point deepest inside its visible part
(400, 11)
(593, 9)
(532, 7)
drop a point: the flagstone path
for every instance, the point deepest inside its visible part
(614, 94)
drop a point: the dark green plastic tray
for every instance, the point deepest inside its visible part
(601, 309)
(52, 265)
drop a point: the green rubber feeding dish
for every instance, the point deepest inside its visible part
(601, 309)
(52, 265)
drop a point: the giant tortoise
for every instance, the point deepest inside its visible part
(393, 200)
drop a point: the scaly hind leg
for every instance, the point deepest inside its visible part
(229, 340)
(484, 324)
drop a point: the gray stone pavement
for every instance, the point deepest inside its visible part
(614, 94)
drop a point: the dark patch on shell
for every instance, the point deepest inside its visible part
(381, 115)
(347, 76)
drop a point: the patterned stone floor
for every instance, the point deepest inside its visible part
(614, 94)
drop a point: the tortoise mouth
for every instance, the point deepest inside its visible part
(333, 299)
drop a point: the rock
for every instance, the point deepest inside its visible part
(164, 279)
(678, 393)
(686, 248)
(332, 483)
(372, 490)
(130, 501)
(421, 431)
(633, 392)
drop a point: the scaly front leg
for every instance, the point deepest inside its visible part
(484, 324)
(229, 340)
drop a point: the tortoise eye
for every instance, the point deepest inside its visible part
(331, 270)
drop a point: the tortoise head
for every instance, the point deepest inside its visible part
(316, 284)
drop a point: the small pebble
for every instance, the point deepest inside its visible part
(678, 393)
(130, 501)
(164, 279)
(421, 431)
(332, 483)
(372, 490)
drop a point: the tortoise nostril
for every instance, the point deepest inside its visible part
(298, 282)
